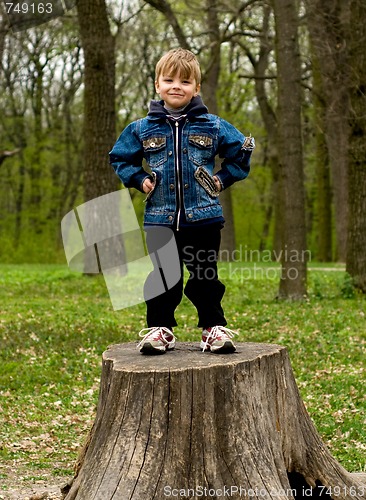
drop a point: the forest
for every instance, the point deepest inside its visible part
(73, 75)
(291, 74)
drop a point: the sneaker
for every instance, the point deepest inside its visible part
(218, 339)
(157, 340)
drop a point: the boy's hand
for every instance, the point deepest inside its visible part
(147, 186)
(217, 183)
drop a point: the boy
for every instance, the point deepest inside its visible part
(179, 139)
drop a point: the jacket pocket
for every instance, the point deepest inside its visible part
(206, 180)
(200, 149)
(155, 151)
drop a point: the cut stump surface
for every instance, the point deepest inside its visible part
(205, 426)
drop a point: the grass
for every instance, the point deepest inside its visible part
(55, 324)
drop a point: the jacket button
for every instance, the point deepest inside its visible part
(184, 150)
(190, 216)
(186, 186)
(170, 217)
(170, 153)
(172, 187)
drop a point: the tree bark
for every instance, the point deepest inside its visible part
(189, 421)
(293, 273)
(356, 254)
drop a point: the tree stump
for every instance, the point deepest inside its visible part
(199, 425)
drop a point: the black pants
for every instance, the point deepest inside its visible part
(198, 249)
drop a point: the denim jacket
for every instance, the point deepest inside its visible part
(174, 150)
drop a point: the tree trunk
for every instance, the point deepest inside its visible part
(324, 191)
(99, 131)
(35, 168)
(293, 275)
(327, 26)
(4, 26)
(270, 122)
(99, 98)
(191, 421)
(210, 85)
(356, 254)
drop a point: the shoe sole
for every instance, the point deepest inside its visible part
(148, 348)
(227, 348)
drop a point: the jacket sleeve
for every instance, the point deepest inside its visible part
(126, 158)
(236, 149)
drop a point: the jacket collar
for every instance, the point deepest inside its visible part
(195, 109)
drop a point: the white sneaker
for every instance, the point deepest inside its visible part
(156, 340)
(218, 339)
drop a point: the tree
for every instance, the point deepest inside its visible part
(261, 76)
(356, 254)
(293, 272)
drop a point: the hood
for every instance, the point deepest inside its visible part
(194, 108)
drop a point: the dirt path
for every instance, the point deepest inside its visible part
(14, 486)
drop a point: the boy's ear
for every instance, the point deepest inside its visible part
(197, 89)
(157, 86)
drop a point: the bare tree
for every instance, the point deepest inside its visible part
(261, 75)
(293, 273)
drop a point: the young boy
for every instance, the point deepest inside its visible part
(179, 140)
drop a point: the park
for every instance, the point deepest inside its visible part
(83, 415)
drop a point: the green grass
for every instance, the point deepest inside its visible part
(55, 324)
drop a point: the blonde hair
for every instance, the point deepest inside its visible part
(181, 62)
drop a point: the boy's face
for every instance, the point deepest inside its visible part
(175, 91)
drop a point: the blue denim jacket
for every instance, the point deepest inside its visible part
(173, 152)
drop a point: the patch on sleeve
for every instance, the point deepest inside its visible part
(248, 144)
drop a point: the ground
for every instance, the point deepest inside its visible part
(13, 485)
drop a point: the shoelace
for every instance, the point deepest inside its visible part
(154, 333)
(217, 332)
